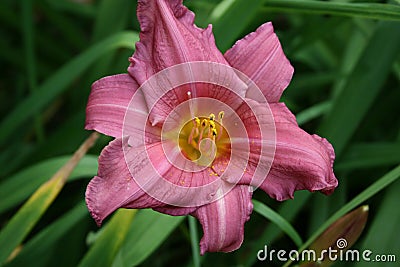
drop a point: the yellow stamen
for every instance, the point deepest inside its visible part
(196, 130)
(211, 129)
(197, 121)
(204, 123)
(212, 117)
(212, 124)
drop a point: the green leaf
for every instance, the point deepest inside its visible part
(289, 210)
(57, 83)
(363, 86)
(148, 231)
(380, 238)
(29, 47)
(226, 25)
(28, 215)
(20, 186)
(309, 83)
(358, 200)
(38, 249)
(107, 245)
(71, 32)
(22, 222)
(313, 112)
(369, 155)
(274, 217)
(361, 10)
(112, 16)
(78, 8)
(194, 241)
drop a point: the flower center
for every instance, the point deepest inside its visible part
(203, 139)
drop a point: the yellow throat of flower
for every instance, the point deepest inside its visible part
(203, 139)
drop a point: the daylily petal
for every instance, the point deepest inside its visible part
(175, 211)
(108, 101)
(182, 183)
(114, 187)
(302, 161)
(257, 148)
(259, 55)
(169, 37)
(223, 220)
(166, 106)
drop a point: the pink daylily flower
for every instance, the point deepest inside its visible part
(141, 122)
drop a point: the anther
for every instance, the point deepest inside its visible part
(212, 117)
(212, 124)
(204, 123)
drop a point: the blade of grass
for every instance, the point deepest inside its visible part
(309, 83)
(369, 155)
(20, 186)
(313, 112)
(278, 220)
(79, 8)
(112, 16)
(107, 245)
(25, 219)
(18, 153)
(360, 10)
(140, 241)
(38, 249)
(202, 9)
(321, 204)
(376, 187)
(57, 83)
(380, 237)
(363, 86)
(194, 241)
(29, 47)
(226, 25)
(352, 54)
(69, 131)
(54, 48)
(70, 31)
(289, 210)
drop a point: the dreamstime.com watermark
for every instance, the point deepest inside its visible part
(340, 254)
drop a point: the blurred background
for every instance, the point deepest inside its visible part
(346, 87)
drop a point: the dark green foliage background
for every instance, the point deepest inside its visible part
(346, 88)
